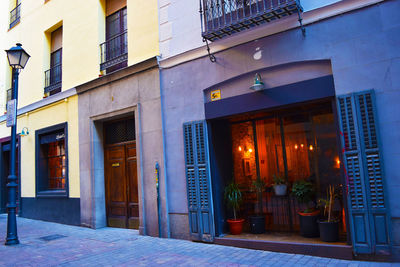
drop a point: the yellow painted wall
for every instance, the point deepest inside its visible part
(83, 25)
(60, 112)
(83, 30)
(142, 30)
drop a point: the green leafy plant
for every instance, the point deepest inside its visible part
(233, 197)
(304, 192)
(328, 202)
(259, 185)
(278, 179)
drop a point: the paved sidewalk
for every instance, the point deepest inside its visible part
(51, 244)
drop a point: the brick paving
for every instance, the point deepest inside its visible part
(51, 244)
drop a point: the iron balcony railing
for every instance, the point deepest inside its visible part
(222, 18)
(53, 78)
(15, 15)
(114, 51)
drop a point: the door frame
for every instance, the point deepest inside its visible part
(2, 143)
(96, 203)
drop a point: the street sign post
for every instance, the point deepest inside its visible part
(11, 112)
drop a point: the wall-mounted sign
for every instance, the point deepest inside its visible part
(11, 112)
(215, 95)
(115, 165)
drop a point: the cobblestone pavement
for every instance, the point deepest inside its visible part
(51, 244)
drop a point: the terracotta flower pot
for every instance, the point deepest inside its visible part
(235, 226)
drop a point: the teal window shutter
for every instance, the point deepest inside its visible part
(367, 205)
(201, 219)
(374, 175)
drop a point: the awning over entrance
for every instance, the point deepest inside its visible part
(304, 91)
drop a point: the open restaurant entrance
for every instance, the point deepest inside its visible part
(278, 157)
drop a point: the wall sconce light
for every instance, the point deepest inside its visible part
(258, 84)
(296, 146)
(311, 148)
(337, 161)
(24, 132)
(245, 149)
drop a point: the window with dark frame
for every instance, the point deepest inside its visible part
(53, 76)
(115, 49)
(15, 14)
(51, 160)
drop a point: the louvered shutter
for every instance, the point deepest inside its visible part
(198, 181)
(374, 175)
(368, 215)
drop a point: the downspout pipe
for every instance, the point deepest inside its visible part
(141, 168)
(164, 151)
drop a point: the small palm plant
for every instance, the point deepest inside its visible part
(233, 196)
(328, 202)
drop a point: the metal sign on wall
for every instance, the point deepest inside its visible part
(11, 112)
(215, 95)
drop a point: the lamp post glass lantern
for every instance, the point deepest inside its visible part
(17, 58)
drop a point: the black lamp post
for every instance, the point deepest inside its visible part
(17, 58)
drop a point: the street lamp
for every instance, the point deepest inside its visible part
(17, 58)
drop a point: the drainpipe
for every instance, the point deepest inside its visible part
(164, 152)
(141, 168)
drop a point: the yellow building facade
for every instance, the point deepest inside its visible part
(63, 39)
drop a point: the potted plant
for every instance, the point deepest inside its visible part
(328, 228)
(279, 185)
(233, 197)
(304, 192)
(257, 222)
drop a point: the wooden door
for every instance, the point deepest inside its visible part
(121, 186)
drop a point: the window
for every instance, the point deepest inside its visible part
(53, 76)
(9, 92)
(114, 51)
(15, 13)
(52, 161)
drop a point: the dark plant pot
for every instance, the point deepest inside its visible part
(329, 231)
(280, 190)
(309, 224)
(257, 224)
(235, 226)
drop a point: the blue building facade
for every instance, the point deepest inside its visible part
(346, 67)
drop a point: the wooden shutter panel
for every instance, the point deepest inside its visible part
(356, 192)
(198, 181)
(368, 211)
(374, 175)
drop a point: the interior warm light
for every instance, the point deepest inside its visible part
(250, 150)
(296, 146)
(337, 161)
(301, 145)
(311, 148)
(240, 148)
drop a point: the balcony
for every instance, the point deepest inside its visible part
(15, 15)
(114, 52)
(221, 18)
(52, 79)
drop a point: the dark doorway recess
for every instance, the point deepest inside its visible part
(5, 169)
(297, 142)
(121, 183)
